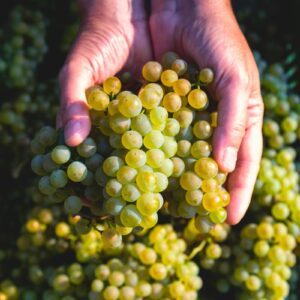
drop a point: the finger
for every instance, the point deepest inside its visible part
(241, 181)
(74, 112)
(232, 111)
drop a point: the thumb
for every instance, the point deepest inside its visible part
(232, 114)
(74, 79)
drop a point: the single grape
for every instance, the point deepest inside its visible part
(61, 154)
(77, 171)
(112, 85)
(152, 71)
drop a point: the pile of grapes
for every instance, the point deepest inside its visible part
(138, 210)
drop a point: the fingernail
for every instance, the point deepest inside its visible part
(229, 158)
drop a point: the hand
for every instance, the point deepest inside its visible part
(113, 34)
(206, 32)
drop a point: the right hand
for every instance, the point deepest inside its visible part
(113, 35)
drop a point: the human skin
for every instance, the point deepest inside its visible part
(116, 34)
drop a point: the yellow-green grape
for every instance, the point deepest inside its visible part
(176, 289)
(119, 124)
(182, 87)
(213, 251)
(132, 139)
(143, 289)
(172, 127)
(113, 107)
(202, 130)
(111, 293)
(60, 154)
(115, 141)
(146, 180)
(126, 174)
(201, 149)
(172, 102)
(206, 76)
(148, 256)
(166, 167)
(104, 126)
(98, 99)
(116, 278)
(198, 99)
(130, 192)
(141, 124)
(179, 66)
(113, 206)
(168, 58)
(183, 148)
(168, 77)
(148, 203)
(130, 105)
(169, 146)
(287, 242)
(102, 272)
(77, 171)
(206, 168)
(158, 115)
(113, 187)
(33, 226)
(151, 71)
(178, 166)
(158, 271)
(130, 216)
(214, 119)
(155, 158)
(209, 185)
(212, 201)
(184, 116)
(221, 178)
(194, 197)
(189, 181)
(61, 282)
(112, 165)
(149, 221)
(62, 229)
(151, 95)
(161, 182)
(265, 231)
(253, 283)
(87, 148)
(280, 211)
(218, 216)
(135, 158)
(261, 248)
(153, 139)
(127, 293)
(112, 86)
(277, 255)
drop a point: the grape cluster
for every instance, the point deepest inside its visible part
(149, 148)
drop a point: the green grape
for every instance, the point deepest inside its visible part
(112, 85)
(130, 216)
(127, 293)
(130, 105)
(183, 148)
(168, 58)
(158, 115)
(97, 285)
(280, 211)
(209, 185)
(132, 140)
(37, 165)
(141, 124)
(202, 130)
(115, 141)
(93, 162)
(152, 71)
(61, 154)
(178, 166)
(218, 216)
(48, 164)
(136, 158)
(189, 181)
(212, 201)
(172, 127)
(61, 283)
(113, 187)
(153, 139)
(149, 203)
(253, 283)
(47, 136)
(105, 126)
(113, 107)
(194, 197)
(102, 272)
(58, 178)
(206, 76)
(77, 171)
(265, 230)
(98, 99)
(200, 149)
(114, 206)
(146, 180)
(73, 205)
(206, 168)
(111, 293)
(168, 77)
(87, 148)
(169, 146)
(143, 289)
(172, 102)
(149, 221)
(161, 182)
(130, 192)
(45, 186)
(119, 124)
(184, 116)
(151, 95)
(179, 66)
(182, 87)
(166, 167)
(261, 248)
(112, 165)
(198, 99)
(155, 158)
(126, 174)
(158, 271)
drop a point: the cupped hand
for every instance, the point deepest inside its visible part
(206, 32)
(114, 34)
